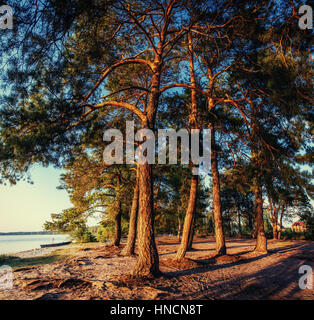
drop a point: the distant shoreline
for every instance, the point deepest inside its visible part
(28, 233)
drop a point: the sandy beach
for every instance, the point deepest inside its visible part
(98, 271)
(38, 252)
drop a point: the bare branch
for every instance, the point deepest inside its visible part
(124, 105)
(120, 63)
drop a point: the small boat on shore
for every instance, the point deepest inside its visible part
(55, 244)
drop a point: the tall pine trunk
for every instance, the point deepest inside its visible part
(239, 222)
(191, 236)
(261, 242)
(130, 245)
(273, 216)
(188, 228)
(188, 221)
(179, 230)
(275, 231)
(220, 238)
(117, 223)
(148, 260)
(280, 222)
(251, 226)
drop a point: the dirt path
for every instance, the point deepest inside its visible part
(99, 272)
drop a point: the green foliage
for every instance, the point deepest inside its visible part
(268, 227)
(307, 217)
(70, 221)
(105, 233)
(252, 61)
(106, 230)
(289, 234)
(82, 235)
(15, 262)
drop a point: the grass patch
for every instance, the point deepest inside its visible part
(54, 256)
(74, 249)
(16, 262)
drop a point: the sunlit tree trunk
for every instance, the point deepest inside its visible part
(273, 216)
(280, 223)
(220, 238)
(130, 245)
(261, 242)
(188, 227)
(191, 235)
(179, 230)
(117, 223)
(148, 260)
(239, 221)
(188, 221)
(275, 227)
(251, 226)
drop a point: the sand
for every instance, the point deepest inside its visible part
(99, 272)
(38, 252)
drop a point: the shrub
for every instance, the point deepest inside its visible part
(88, 237)
(81, 234)
(106, 230)
(104, 233)
(289, 234)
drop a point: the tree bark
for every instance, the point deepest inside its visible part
(261, 242)
(273, 216)
(117, 223)
(179, 230)
(130, 245)
(220, 238)
(148, 261)
(275, 233)
(188, 221)
(187, 234)
(280, 223)
(239, 222)
(191, 235)
(251, 226)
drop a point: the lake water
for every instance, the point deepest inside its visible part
(17, 243)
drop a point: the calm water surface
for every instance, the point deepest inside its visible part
(13, 244)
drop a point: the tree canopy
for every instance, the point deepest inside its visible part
(244, 69)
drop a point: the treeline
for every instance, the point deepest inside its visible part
(26, 233)
(242, 69)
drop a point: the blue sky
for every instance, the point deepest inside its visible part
(25, 207)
